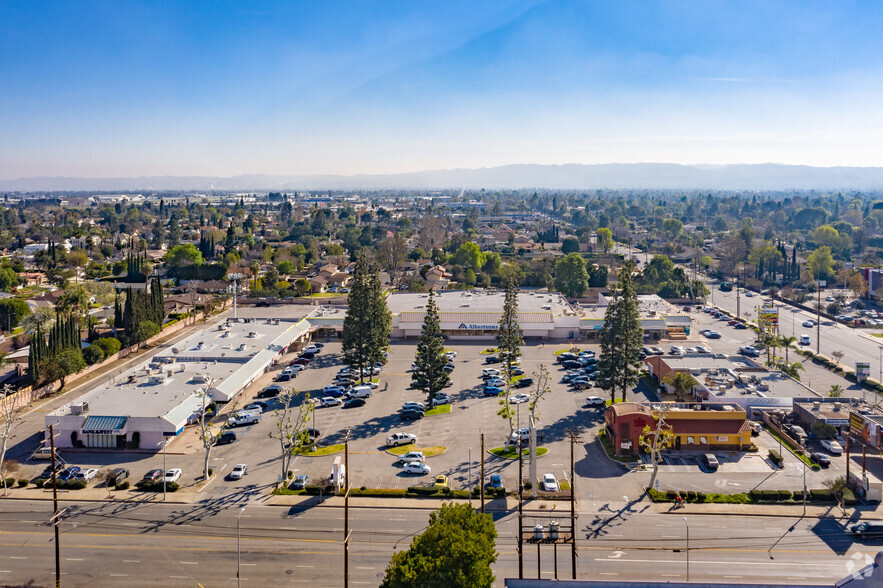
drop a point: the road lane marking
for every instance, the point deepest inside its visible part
(358, 568)
(73, 559)
(180, 577)
(120, 575)
(306, 566)
(192, 563)
(131, 561)
(17, 557)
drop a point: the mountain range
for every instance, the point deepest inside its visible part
(660, 176)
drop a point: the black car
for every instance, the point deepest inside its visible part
(269, 392)
(283, 377)
(312, 433)
(567, 356)
(411, 415)
(226, 437)
(153, 475)
(524, 383)
(319, 345)
(117, 476)
(517, 371)
(571, 364)
(492, 359)
(307, 355)
(820, 458)
(262, 405)
(59, 466)
(354, 402)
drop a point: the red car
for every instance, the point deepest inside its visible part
(732, 323)
(301, 361)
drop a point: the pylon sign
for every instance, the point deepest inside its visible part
(768, 316)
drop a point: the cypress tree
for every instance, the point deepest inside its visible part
(429, 375)
(368, 323)
(509, 338)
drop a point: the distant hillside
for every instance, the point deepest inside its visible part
(571, 176)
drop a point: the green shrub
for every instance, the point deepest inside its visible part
(755, 494)
(22, 482)
(211, 472)
(71, 484)
(109, 345)
(422, 490)
(671, 494)
(38, 482)
(319, 490)
(823, 495)
(156, 486)
(700, 497)
(785, 495)
(93, 354)
(385, 492)
(122, 486)
(10, 482)
(690, 496)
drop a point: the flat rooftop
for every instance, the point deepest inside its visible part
(481, 301)
(229, 340)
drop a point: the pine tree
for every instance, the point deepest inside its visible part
(368, 323)
(621, 339)
(509, 338)
(429, 375)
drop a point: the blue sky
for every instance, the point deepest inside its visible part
(223, 88)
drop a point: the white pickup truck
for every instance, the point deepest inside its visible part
(243, 418)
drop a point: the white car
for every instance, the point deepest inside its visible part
(442, 399)
(832, 446)
(416, 468)
(330, 401)
(172, 475)
(809, 323)
(519, 399)
(311, 349)
(411, 405)
(239, 470)
(495, 382)
(451, 354)
(549, 483)
(411, 457)
(702, 349)
(489, 372)
(397, 439)
(595, 401)
(86, 475)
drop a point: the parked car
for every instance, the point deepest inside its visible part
(283, 377)
(524, 383)
(397, 439)
(153, 476)
(492, 391)
(702, 349)
(301, 361)
(595, 401)
(117, 476)
(327, 401)
(713, 334)
(314, 349)
(225, 438)
(412, 405)
(710, 461)
(173, 475)
(354, 403)
(495, 482)
(86, 474)
(334, 392)
(47, 471)
(749, 351)
(416, 468)
(492, 359)
(739, 327)
(517, 371)
(239, 470)
(832, 446)
(441, 481)
(411, 415)
(269, 392)
(549, 483)
(261, 406)
(820, 458)
(490, 372)
(571, 364)
(519, 398)
(68, 473)
(442, 399)
(411, 456)
(755, 427)
(300, 482)
(495, 382)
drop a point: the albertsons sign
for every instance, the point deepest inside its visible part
(473, 327)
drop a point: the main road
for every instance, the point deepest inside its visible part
(106, 544)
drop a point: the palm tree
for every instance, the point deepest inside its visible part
(792, 369)
(255, 267)
(681, 382)
(836, 391)
(787, 343)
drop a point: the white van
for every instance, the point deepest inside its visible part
(804, 340)
(360, 392)
(43, 453)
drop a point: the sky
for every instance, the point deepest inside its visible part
(221, 88)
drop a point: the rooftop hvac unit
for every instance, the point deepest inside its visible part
(80, 408)
(816, 406)
(158, 379)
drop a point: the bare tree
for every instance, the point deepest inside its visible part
(432, 233)
(840, 489)
(107, 476)
(11, 409)
(540, 388)
(289, 424)
(655, 440)
(391, 254)
(204, 427)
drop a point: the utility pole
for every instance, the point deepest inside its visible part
(346, 510)
(819, 316)
(55, 513)
(520, 512)
(481, 482)
(573, 441)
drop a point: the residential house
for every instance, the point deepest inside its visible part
(438, 278)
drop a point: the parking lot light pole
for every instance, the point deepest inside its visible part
(164, 442)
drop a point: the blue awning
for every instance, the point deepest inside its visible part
(104, 425)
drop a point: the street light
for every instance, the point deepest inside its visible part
(688, 547)
(164, 442)
(881, 364)
(238, 552)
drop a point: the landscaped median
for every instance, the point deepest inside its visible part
(512, 453)
(427, 451)
(411, 492)
(441, 409)
(320, 451)
(823, 496)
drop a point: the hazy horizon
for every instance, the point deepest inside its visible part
(147, 89)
